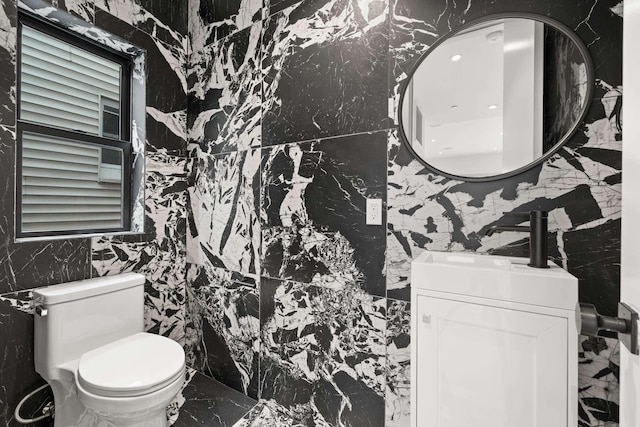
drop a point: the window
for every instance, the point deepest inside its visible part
(74, 148)
(110, 118)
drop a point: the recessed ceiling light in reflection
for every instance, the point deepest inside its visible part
(454, 107)
(495, 36)
(457, 57)
(492, 106)
(433, 140)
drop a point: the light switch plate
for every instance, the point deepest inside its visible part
(374, 211)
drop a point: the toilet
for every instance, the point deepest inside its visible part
(91, 349)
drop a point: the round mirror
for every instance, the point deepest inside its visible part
(496, 96)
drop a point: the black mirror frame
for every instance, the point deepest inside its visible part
(526, 15)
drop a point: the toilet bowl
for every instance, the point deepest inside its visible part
(103, 370)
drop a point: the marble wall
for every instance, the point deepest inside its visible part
(291, 127)
(159, 253)
(269, 124)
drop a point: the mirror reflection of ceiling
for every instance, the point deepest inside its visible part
(457, 97)
(479, 104)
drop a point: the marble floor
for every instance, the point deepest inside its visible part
(268, 414)
(206, 402)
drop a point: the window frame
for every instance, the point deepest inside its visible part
(124, 143)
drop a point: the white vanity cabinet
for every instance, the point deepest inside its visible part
(494, 343)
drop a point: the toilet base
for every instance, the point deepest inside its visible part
(78, 408)
(149, 410)
(69, 411)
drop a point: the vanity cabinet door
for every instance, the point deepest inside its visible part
(484, 366)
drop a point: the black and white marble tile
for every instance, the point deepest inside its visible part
(164, 295)
(202, 401)
(166, 21)
(166, 85)
(159, 254)
(17, 374)
(579, 186)
(598, 382)
(117, 40)
(32, 264)
(224, 229)
(268, 414)
(417, 24)
(159, 81)
(166, 101)
(173, 409)
(28, 265)
(324, 65)
(211, 21)
(225, 93)
(313, 212)
(81, 8)
(19, 300)
(274, 6)
(61, 18)
(223, 327)
(8, 40)
(206, 402)
(323, 353)
(324, 68)
(398, 384)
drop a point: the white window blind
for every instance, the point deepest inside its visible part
(62, 85)
(69, 184)
(62, 187)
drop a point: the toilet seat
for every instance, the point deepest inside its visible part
(133, 366)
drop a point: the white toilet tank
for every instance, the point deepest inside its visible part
(494, 343)
(76, 317)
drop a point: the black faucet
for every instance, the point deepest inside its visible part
(537, 230)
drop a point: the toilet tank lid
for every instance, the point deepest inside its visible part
(72, 291)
